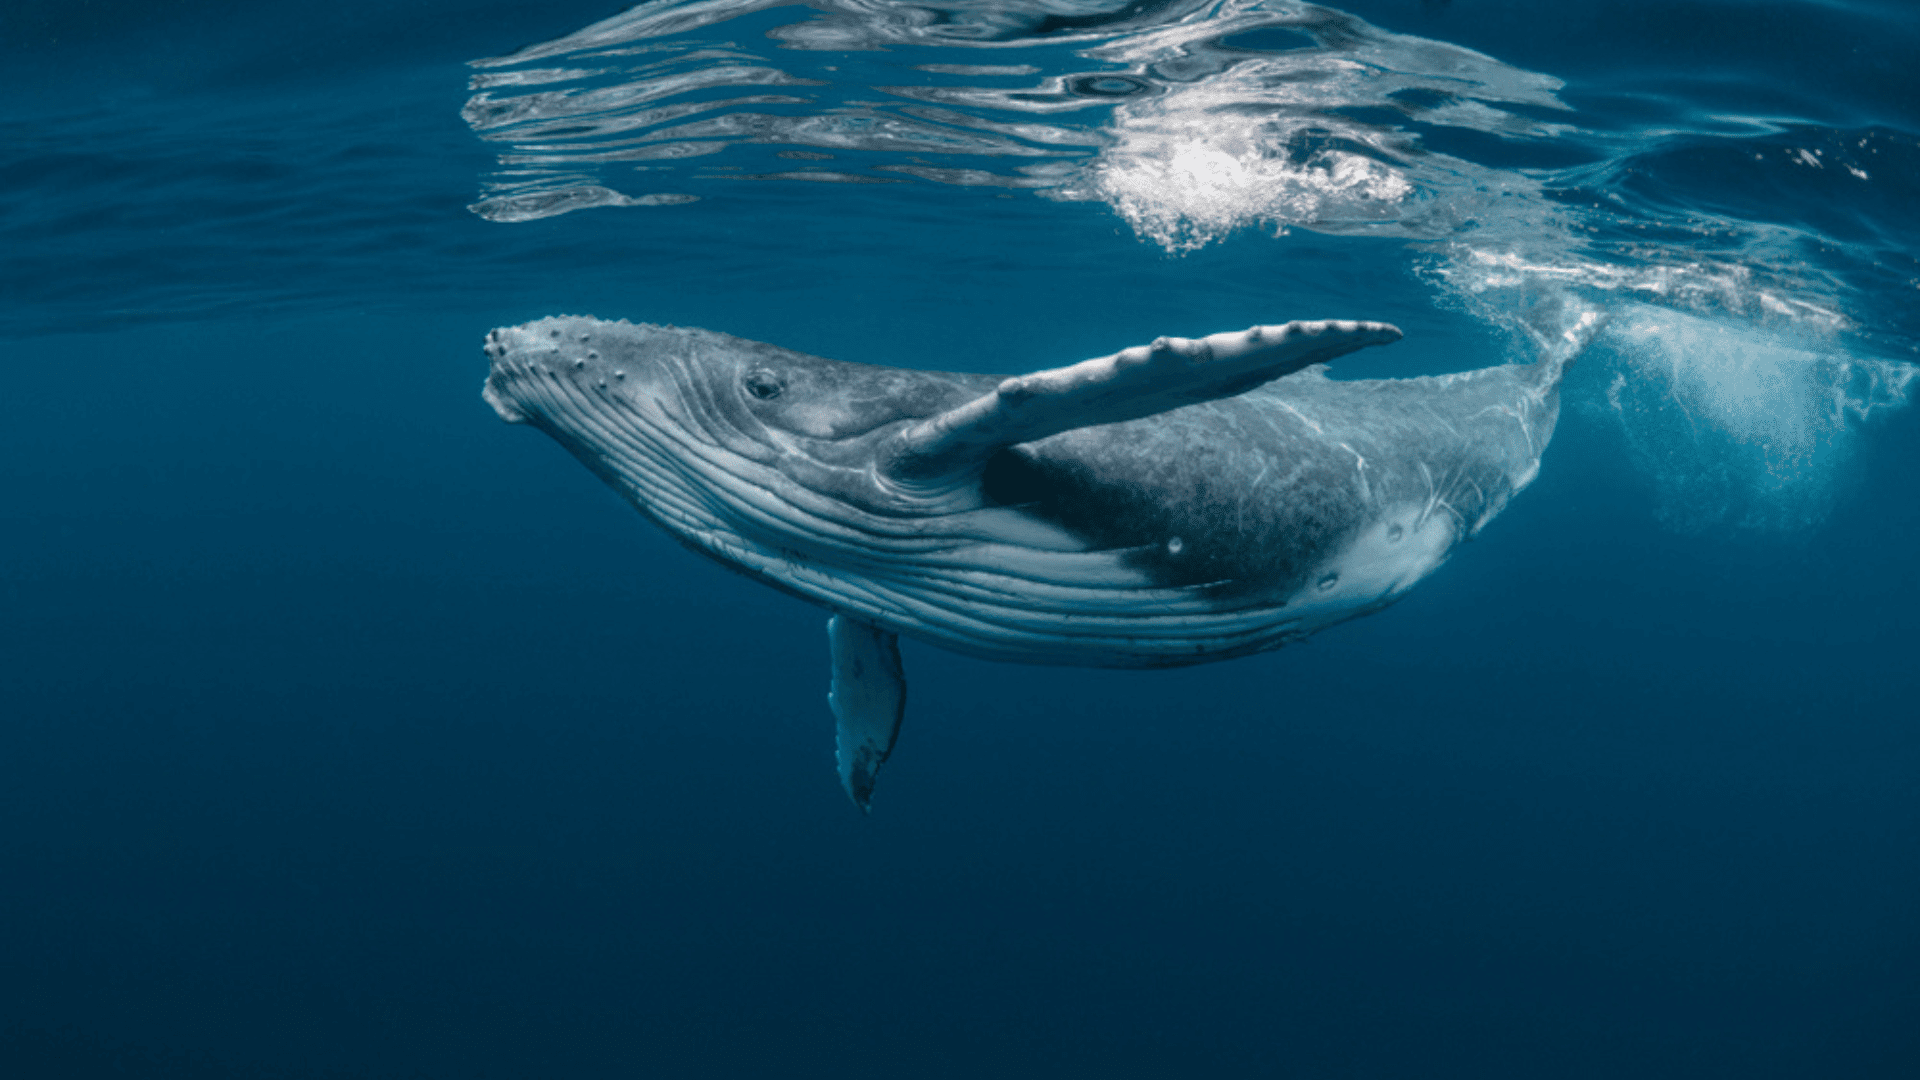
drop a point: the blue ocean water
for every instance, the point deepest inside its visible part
(347, 731)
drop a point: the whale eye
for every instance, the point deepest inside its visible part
(764, 384)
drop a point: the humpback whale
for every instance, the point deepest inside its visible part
(1174, 503)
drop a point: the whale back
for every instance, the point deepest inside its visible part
(1259, 492)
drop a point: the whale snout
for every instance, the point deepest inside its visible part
(538, 365)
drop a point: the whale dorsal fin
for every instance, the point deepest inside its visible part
(1128, 385)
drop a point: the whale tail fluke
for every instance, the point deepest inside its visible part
(1561, 331)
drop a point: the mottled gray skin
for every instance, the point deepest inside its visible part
(1265, 487)
(1213, 530)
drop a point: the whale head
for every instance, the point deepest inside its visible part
(720, 439)
(760, 401)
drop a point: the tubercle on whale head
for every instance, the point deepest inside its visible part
(493, 392)
(631, 399)
(566, 371)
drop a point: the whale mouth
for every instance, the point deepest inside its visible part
(630, 403)
(558, 352)
(495, 392)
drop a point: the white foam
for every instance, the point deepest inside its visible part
(1556, 271)
(1189, 171)
(1738, 424)
(1268, 139)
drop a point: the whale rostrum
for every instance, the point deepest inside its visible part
(1173, 503)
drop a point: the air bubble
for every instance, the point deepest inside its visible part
(1107, 85)
(1395, 532)
(1327, 583)
(1174, 545)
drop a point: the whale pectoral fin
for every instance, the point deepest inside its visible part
(868, 695)
(1127, 385)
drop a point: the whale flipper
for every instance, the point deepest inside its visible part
(1127, 385)
(869, 696)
